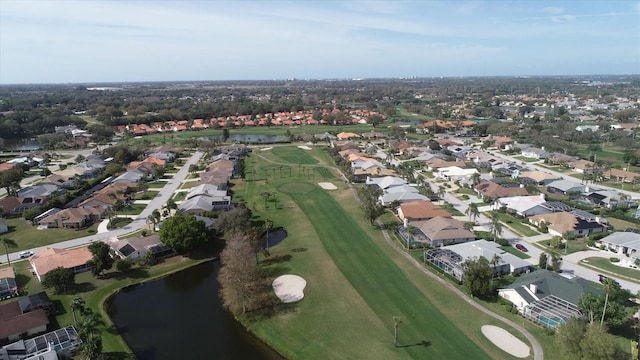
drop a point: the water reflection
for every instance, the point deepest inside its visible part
(181, 317)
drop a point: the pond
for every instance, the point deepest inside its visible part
(19, 144)
(181, 317)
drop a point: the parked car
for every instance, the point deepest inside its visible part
(521, 247)
(25, 254)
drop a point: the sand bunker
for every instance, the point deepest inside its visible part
(265, 149)
(304, 147)
(327, 186)
(505, 341)
(289, 288)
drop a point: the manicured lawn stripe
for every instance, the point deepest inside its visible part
(294, 155)
(385, 288)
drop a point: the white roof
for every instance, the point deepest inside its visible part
(487, 249)
(196, 203)
(521, 204)
(386, 182)
(626, 239)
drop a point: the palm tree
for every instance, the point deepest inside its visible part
(267, 226)
(396, 324)
(265, 195)
(609, 286)
(475, 178)
(496, 227)
(472, 211)
(495, 261)
(441, 192)
(8, 243)
(76, 304)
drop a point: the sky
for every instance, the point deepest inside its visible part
(51, 41)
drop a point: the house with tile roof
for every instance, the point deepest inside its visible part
(488, 189)
(563, 222)
(73, 218)
(439, 231)
(15, 324)
(538, 177)
(51, 258)
(547, 298)
(420, 210)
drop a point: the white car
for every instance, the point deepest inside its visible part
(25, 254)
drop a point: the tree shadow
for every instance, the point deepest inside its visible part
(22, 280)
(276, 259)
(422, 343)
(59, 307)
(81, 288)
(299, 249)
(117, 356)
(135, 273)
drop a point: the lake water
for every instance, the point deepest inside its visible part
(181, 317)
(19, 144)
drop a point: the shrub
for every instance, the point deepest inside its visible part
(464, 197)
(614, 259)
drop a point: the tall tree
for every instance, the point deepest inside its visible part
(101, 259)
(496, 227)
(477, 276)
(60, 279)
(472, 211)
(610, 285)
(495, 261)
(10, 179)
(543, 261)
(76, 304)
(184, 233)
(240, 278)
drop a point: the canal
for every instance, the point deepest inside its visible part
(181, 317)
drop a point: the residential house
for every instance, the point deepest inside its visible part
(74, 218)
(460, 173)
(626, 244)
(503, 142)
(347, 136)
(537, 177)
(451, 258)
(164, 155)
(51, 258)
(524, 205)
(14, 324)
(488, 189)
(556, 158)
(565, 186)
(386, 182)
(6, 166)
(17, 205)
(440, 231)
(533, 152)
(197, 205)
(218, 198)
(436, 164)
(582, 166)
(40, 190)
(54, 345)
(129, 176)
(562, 223)
(8, 285)
(402, 194)
(420, 210)
(547, 298)
(621, 175)
(136, 248)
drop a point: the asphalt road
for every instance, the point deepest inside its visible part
(138, 223)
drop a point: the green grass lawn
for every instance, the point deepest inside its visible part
(133, 209)
(607, 267)
(294, 155)
(621, 225)
(464, 190)
(516, 252)
(515, 224)
(452, 210)
(28, 236)
(157, 185)
(119, 222)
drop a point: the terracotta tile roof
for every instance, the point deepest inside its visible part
(14, 322)
(422, 210)
(51, 258)
(493, 190)
(5, 166)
